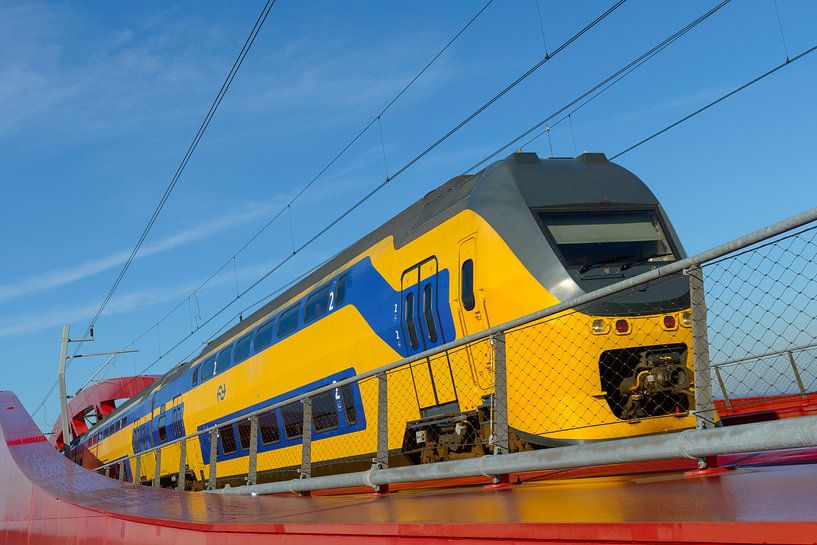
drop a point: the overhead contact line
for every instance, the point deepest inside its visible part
(400, 171)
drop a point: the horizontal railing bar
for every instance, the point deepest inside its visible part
(675, 267)
(693, 444)
(766, 355)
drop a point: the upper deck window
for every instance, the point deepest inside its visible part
(207, 368)
(587, 239)
(288, 321)
(242, 349)
(263, 337)
(316, 305)
(224, 359)
(340, 290)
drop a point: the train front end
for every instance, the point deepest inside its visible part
(620, 365)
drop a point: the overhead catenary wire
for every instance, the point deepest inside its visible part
(487, 104)
(704, 108)
(717, 101)
(287, 208)
(225, 86)
(186, 158)
(599, 88)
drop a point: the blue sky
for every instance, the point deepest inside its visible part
(98, 103)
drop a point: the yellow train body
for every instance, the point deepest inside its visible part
(556, 391)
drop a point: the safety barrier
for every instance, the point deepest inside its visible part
(638, 357)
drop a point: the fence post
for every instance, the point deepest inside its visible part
(121, 470)
(252, 471)
(381, 460)
(306, 436)
(137, 470)
(797, 375)
(499, 415)
(704, 404)
(211, 480)
(157, 474)
(499, 406)
(180, 482)
(726, 400)
(107, 471)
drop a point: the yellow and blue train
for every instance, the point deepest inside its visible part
(520, 235)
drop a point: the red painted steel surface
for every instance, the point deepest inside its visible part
(99, 399)
(47, 499)
(756, 409)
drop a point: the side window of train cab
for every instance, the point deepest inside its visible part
(467, 285)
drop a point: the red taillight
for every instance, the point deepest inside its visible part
(622, 326)
(669, 322)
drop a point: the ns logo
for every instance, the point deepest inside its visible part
(222, 392)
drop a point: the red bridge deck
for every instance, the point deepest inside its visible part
(47, 499)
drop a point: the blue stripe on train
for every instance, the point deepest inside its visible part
(376, 301)
(283, 440)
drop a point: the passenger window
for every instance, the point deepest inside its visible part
(324, 412)
(162, 428)
(288, 321)
(428, 314)
(223, 360)
(349, 408)
(340, 291)
(316, 305)
(467, 284)
(195, 375)
(293, 419)
(227, 436)
(244, 434)
(263, 337)
(268, 426)
(411, 326)
(242, 349)
(208, 368)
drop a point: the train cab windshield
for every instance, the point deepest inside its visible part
(587, 240)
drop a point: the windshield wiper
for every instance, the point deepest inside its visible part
(642, 260)
(605, 261)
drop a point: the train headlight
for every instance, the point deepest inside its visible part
(622, 326)
(600, 327)
(686, 319)
(669, 322)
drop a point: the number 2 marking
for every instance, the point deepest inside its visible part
(331, 300)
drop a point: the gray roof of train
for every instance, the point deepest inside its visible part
(521, 181)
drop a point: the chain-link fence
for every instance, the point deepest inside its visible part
(762, 305)
(652, 354)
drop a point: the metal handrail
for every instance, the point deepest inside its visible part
(766, 355)
(675, 267)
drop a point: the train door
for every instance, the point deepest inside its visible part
(175, 420)
(472, 311)
(422, 330)
(158, 424)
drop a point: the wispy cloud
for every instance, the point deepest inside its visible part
(61, 77)
(61, 277)
(218, 291)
